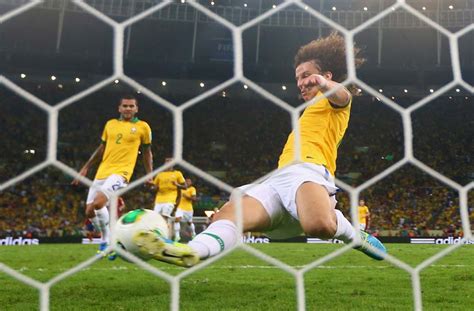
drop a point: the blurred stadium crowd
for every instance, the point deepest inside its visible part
(238, 139)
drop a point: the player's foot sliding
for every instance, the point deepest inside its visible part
(102, 248)
(367, 239)
(101, 252)
(162, 249)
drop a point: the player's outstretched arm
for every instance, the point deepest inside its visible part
(341, 97)
(95, 157)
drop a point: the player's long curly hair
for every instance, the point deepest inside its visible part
(329, 54)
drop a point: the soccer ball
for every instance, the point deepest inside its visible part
(135, 221)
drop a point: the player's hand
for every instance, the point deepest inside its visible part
(315, 80)
(149, 183)
(82, 172)
(173, 212)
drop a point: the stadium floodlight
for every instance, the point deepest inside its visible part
(212, 2)
(450, 97)
(202, 84)
(60, 86)
(423, 8)
(116, 81)
(245, 5)
(393, 97)
(53, 77)
(246, 86)
(22, 76)
(163, 83)
(431, 90)
(77, 79)
(451, 7)
(365, 8)
(139, 92)
(183, 1)
(380, 90)
(274, 6)
(306, 7)
(458, 90)
(224, 94)
(405, 91)
(283, 87)
(334, 8)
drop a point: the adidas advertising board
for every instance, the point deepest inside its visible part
(449, 240)
(18, 241)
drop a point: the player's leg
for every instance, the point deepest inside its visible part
(177, 227)
(96, 208)
(98, 214)
(188, 218)
(222, 232)
(319, 218)
(165, 210)
(220, 235)
(191, 226)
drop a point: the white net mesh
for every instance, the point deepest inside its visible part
(177, 112)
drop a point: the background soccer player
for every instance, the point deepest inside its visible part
(117, 153)
(364, 215)
(299, 197)
(184, 212)
(168, 183)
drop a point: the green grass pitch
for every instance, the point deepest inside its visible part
(240, 281)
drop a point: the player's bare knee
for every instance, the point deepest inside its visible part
(90, 211)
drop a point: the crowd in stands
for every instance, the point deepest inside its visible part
(240, 140)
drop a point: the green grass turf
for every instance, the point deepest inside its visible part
(241, 281)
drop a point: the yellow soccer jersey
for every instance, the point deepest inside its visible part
(167, 190)
(363, 211)
(122, 140)
(321, 130)
(186, 204)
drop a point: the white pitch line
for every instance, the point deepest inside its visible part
(243, 267)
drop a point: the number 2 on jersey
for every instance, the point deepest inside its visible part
(119, 138)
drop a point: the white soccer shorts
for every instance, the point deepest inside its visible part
(278, 196)
(107, 186)
(164, 209)
(185, 215)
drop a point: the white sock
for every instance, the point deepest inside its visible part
(345, 232)
(218, 237)
(177, 228)
(103, 220)
(96, 223)
(193, 229)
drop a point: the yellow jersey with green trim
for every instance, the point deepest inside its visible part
(122, 140)
(363, 212)
(167, 190)
(186, 204)
(322, 127)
